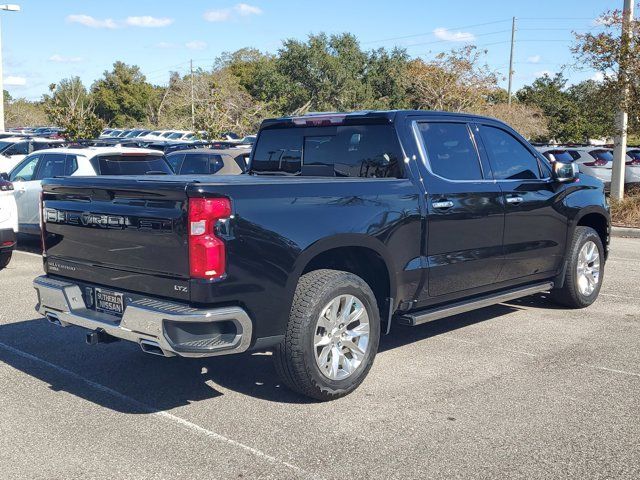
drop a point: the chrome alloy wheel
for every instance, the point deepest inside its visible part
(341, 337)
(588, 268)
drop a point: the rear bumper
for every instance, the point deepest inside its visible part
(165, 328)
(7, 239)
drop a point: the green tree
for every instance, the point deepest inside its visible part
(21, 112)
(122, 96)
(69, 106)
(606, 52)
(561, 109)
(596, 108)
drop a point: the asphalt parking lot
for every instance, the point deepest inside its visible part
(522, 390)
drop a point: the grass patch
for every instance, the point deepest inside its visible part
(626, 213)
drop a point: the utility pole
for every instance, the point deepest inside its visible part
(193, 108)
(622, 117)
(513, 41)
(9, 8)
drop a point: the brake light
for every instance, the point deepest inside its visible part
(5, 186)
(43, 234)
(633, 162)
(207, 255)
(597, 163)
(320, 120)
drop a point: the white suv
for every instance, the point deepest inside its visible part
(8, 221)
(27, 176)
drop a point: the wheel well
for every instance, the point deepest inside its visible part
(598, 222)
(361, 261)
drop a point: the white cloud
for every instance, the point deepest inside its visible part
(15, 81)
(165, 45)
(217, 15)
(534, 59)
(89, 21)
(598, 77)
(62, 59)
(196, 45)
(246, 10)
(142, 21)
(225, 14)
(148, 21)
(448, 36)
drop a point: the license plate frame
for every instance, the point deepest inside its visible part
(109, 301)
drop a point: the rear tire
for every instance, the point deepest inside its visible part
(5, 258)
(332, 335)
(585, 270)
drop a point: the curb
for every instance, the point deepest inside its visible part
(626, 232)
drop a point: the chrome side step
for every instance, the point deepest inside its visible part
(429, 315)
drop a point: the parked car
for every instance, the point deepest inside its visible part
(632, 167)
(207, 162)
(595, 161)
(27, 176)
(14, 149)
(8, 221)
(345, 223)
(556, 154)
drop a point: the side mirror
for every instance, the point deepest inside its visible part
(565, 172)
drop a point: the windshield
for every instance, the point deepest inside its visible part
(133, 164)
(175, 135)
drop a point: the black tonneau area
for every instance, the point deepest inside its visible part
(129, 234)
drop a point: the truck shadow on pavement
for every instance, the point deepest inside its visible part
(145, 383)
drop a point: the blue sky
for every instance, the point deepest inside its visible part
(50, 40)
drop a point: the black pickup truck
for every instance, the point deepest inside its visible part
(343, 225)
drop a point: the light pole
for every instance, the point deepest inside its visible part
(9, 8)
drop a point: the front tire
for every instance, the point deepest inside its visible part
(585, 270)
(5, 258)
(332, 335)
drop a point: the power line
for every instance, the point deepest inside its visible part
(447, 40)
(431, 33)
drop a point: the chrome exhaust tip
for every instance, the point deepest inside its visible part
(53, 319)
(152, 348)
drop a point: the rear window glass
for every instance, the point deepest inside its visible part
(133, 165)
(200, 163)
(342, 151)
(635, 154)
(605, 155)
(561, 156)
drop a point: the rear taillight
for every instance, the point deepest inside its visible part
(634, 162)
(5, 186)
(207, 256)
(43, 233)
(597, 163)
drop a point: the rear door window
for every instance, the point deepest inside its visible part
(71, 165)
(451, 153)
(133, 164)
(510, 159)
(52, 165)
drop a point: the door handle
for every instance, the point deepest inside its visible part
(443, 204)
(515, 199)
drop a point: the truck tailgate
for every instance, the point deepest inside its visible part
(125, 233)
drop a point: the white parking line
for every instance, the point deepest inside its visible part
(613, 370)
(153, 411)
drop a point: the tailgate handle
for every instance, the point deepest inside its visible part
(442, 204)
